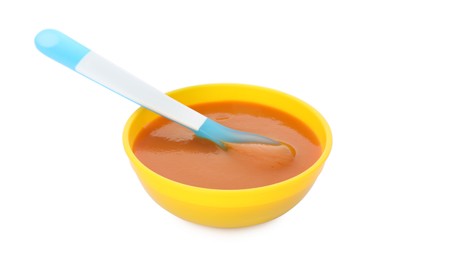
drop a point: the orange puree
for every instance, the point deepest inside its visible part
(177, 154)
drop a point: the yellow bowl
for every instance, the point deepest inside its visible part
(230, 208)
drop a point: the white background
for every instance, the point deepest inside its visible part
(383, 73)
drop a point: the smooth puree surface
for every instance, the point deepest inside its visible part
(174, 152)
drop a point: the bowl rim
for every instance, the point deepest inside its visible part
(314, 167)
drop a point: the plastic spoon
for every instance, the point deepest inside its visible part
(75, 56)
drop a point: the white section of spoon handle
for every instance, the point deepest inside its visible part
(120, 81)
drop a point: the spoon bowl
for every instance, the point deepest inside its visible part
(238, 207)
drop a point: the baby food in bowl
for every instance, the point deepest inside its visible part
(176, 153)
(245, 184)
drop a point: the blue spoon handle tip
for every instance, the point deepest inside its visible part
(60, 47)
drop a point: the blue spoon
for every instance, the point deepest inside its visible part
(75, 56)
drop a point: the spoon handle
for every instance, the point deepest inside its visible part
(75, 56)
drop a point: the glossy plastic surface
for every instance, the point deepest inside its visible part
(60, 47)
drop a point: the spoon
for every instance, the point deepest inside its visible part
(75, 56)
